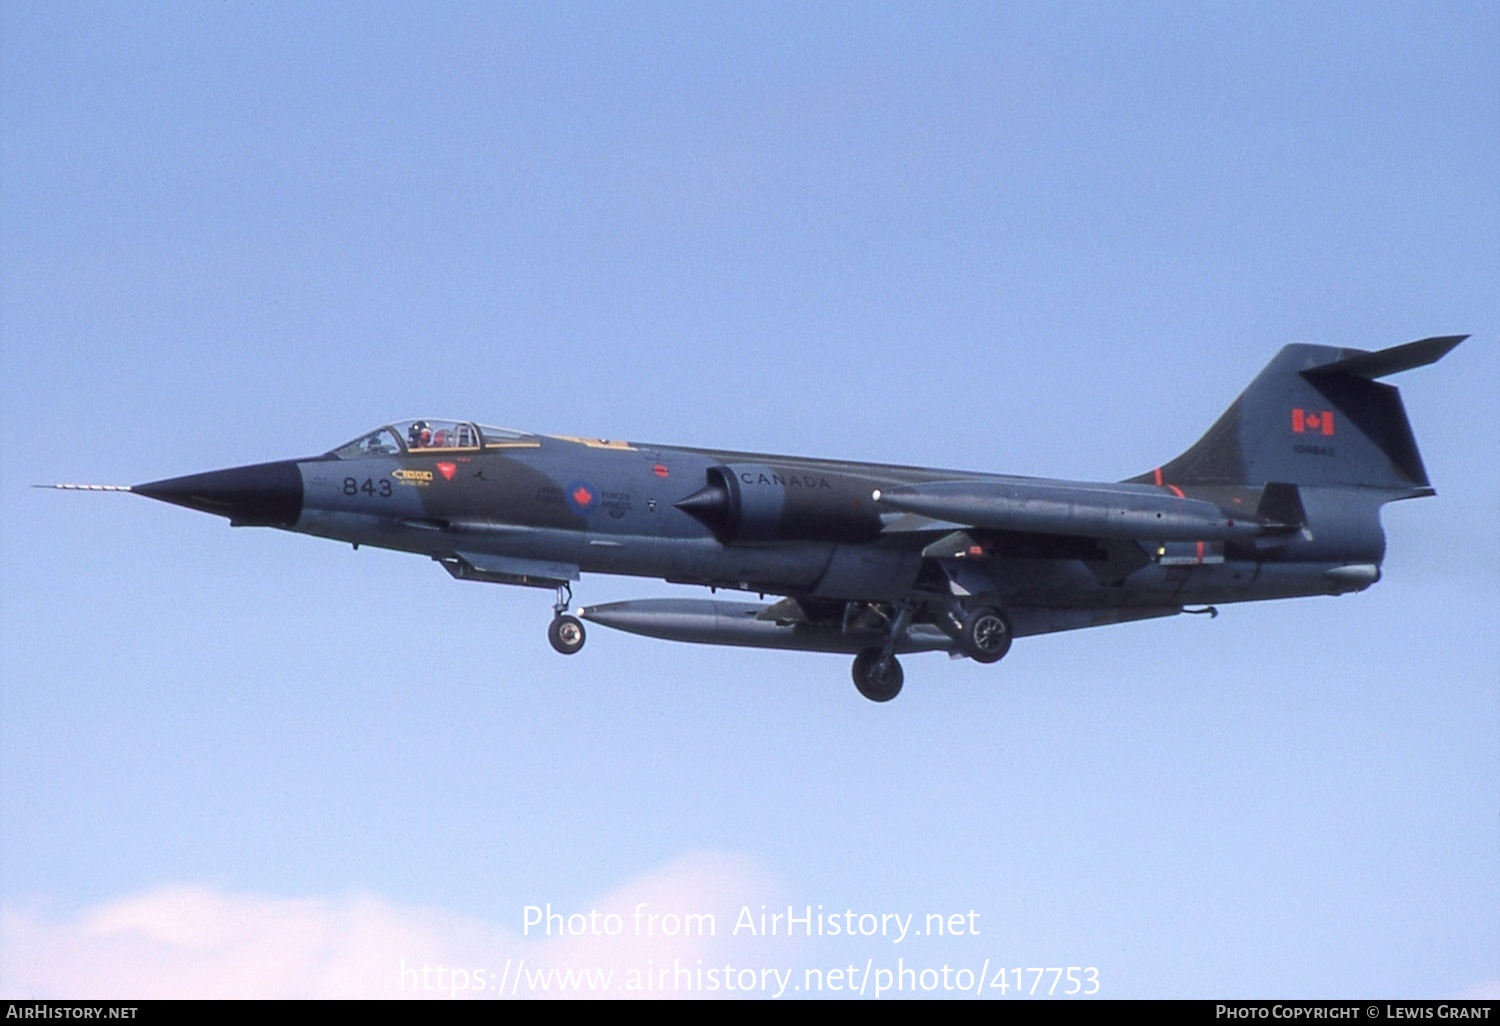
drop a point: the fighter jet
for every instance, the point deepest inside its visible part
(1280, 498)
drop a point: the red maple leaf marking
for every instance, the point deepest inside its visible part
(583, 496)
(1312, 420)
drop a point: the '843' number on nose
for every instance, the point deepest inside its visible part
(371, 487)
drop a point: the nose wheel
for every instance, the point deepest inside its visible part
(565, 632)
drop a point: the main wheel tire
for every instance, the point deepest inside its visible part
(566, 634)
(986, 635)
(877, 681)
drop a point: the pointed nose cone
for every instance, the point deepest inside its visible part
(263, 495)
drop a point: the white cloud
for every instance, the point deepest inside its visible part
(193, 941)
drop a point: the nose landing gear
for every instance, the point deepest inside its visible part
(565, 632)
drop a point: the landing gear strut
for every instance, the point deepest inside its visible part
(878, 677)
(565, 632)
(877, 674)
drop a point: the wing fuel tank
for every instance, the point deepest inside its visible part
(711, 622)
(1128, 512)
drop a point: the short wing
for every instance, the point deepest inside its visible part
(1123, 511)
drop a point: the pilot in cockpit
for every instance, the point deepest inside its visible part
(420, 435)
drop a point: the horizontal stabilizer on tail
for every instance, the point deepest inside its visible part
(1385, 362)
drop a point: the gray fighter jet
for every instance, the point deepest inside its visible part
(1281, 498)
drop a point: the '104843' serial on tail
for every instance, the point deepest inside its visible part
(1281, 498)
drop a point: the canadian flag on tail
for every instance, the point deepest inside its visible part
(1304, 421)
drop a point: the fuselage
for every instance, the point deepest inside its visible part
(509, 503)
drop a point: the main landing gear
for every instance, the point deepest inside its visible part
(985, 635)
(565, 632)
(981, 633)
(878, 676)
(877, 673)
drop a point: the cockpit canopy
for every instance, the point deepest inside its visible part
(431, 434)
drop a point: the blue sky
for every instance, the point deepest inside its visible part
(1018, 238)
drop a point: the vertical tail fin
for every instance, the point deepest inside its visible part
(1316, 416)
